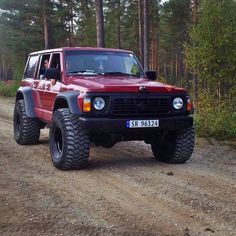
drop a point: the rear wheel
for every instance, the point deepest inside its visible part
(69, 143)
(26, 129)
(175, 147)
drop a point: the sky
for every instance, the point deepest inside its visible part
(164, 1)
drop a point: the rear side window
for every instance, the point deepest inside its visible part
(31, 67)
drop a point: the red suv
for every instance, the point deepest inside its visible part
(102, 96)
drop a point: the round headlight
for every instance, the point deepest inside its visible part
(98, 103)
(178, 103)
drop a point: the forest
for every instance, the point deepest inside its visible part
(190, 43)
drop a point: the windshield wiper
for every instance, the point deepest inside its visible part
(118, 73)
(82, 72)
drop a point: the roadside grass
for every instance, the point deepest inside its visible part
(8, 88)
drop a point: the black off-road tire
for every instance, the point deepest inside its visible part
(69, 143)
(26, 129)
(175, 147)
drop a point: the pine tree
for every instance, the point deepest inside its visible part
(100, 23)
(211, 52)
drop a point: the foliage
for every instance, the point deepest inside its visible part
(130, 27)
(86, 24)
(18, 71)
(114, 18)
(174, 21)
(211, 54)
(215, 118)
(211, 51)
(8, 89)
(175, 17)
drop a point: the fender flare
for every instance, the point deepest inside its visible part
(26, 94)
(70, 97)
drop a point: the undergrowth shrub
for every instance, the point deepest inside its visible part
(215, 118)
(8, 89)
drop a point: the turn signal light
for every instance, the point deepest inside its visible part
(189, 105)
(87, 105)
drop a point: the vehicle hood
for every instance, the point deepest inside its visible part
(121, 84)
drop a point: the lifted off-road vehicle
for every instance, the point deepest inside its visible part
(100, 96)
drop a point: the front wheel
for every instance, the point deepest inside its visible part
(175, 147)
(69, 142)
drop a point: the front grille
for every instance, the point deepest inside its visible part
(140, 106)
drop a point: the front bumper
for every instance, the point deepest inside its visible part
(119, 124)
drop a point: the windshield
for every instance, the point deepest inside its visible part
(102, 62)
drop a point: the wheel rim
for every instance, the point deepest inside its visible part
(58, 142)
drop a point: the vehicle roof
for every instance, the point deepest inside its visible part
(80, 49)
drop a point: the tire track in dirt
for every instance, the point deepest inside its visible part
(124, 192)
(203, 199)
(36, 179)
(175, 205)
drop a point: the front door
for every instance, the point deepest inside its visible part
(52, 88)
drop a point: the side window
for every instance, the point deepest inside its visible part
(31, 67)
(56, 61)
(44, 64)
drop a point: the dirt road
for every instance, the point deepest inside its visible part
(124, 192)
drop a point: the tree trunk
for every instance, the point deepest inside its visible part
(26, 55)
(157, 50)
(186, 80)
(176, 68)
(195, 88)
(165, 70)
(141, 31)
(153, 64)
(45, 26)
(172, 70)
(145, 33)
(71, 27)
(3, 69)
(118, 24)
(219, 91)
(100, 23)
(155, 17)
(1, 66)
(195, 80)
(154, 48)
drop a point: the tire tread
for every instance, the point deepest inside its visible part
(76, 142)
(30, 131)
(179, 150)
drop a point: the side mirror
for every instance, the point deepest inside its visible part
(52, 73)
(151, 74)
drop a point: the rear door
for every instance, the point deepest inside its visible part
(30, 79)
(40, 82)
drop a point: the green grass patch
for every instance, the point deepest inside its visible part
(8, 89)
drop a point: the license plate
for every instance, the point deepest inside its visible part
(142, 123)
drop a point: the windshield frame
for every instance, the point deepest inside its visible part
(67, 73)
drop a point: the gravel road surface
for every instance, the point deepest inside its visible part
(125, 191)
